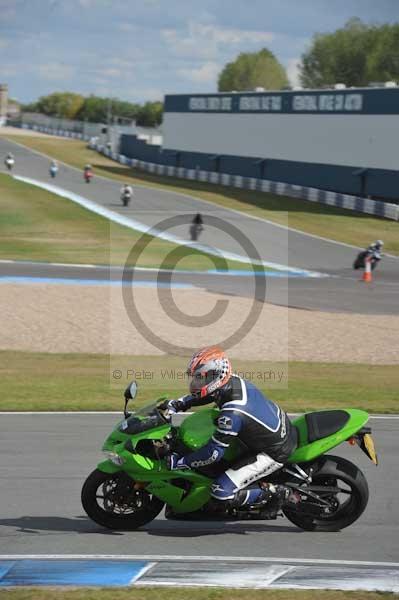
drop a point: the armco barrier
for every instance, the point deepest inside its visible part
(60, 132)
(335, 199)
(356, 203)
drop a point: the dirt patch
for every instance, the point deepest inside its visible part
(93, 319)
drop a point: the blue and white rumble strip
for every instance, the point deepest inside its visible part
(81, 573)
(143, 228)
(184, 571)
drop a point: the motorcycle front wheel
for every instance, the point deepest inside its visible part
(347, 504)
(110, 500)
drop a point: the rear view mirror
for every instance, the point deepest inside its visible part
(133, 390)
(130, 394)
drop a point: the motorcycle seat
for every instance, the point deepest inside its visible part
(325, 423)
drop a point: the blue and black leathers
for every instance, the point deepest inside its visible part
(244, 412)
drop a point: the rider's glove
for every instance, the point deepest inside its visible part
(172, 406)
(174, 461)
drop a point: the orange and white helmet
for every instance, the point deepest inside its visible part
(209, 369)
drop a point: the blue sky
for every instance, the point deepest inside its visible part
(140, 50)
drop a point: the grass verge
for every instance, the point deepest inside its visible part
(336, 224)
(84, 382)
(163, 593)
(38, 225)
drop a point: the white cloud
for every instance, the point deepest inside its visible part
(148, 93)
(204, 40)
(92, 3)
(123, 63)
(10, 70)
(293, 71)
(235, 36)
(207, 73)
(55, 71)
(127, 27)
(111, 72)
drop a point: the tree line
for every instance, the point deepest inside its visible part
(356, 55)
(68, 105)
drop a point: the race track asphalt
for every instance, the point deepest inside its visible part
(342, 291)
(46, 458)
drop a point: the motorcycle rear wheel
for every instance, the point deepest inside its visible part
(334, 470)
(138, 509)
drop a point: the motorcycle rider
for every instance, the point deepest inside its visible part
(9, 160)
(126, 193)
(53, 168)
(196, 227)
(246, 414)
(87, 171)
(372, 254)
(375, 249)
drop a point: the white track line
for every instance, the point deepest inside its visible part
(142, 572)
(165, 557)
(149, 230)
(213, 204)
(44, 263)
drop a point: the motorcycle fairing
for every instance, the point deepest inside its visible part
(187, 490)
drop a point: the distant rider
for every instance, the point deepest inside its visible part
(53, 168)
(126, 193)
(9, 161)
(375, 249)
(196, 227)
(246, 414)
(88, 172)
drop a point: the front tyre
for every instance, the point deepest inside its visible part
(111, 501)
(348, 504)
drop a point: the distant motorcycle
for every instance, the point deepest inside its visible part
(195, 231)
(9, 163)
(360, 261)
(126, 195)
(196, 227)
(88, 175)
(53, 170)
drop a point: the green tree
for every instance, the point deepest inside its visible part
(31, 107)
(150, 115)
(97, 110)
(383, 62)
(60, 104)
(94, 109)
(253, 69)
(355, 55)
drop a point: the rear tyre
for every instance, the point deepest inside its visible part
(349, 504)
(110, 500)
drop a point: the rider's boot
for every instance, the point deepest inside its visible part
(270, 495)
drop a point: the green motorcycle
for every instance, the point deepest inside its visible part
(133, 485)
